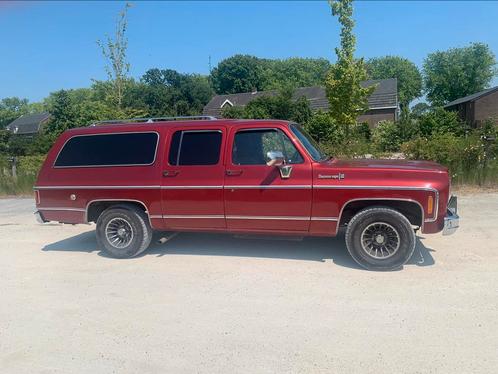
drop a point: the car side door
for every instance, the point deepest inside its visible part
(260, 196)
(192, 178)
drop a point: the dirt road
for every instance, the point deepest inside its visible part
(216, 304)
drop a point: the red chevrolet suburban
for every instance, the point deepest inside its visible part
(239, 176)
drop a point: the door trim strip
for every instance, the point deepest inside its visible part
(284, 218)
(94, 187)
(290, 186)
(190, 187)
(193, 216)
(62, 208)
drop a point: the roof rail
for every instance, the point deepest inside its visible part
(153, 119)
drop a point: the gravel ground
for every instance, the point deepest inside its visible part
(217, 304)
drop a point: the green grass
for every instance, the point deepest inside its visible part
(477, 176)
(22, 185)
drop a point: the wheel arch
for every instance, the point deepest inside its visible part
(94, 208)
(411, 209)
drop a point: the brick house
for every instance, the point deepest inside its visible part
(383, 103)
(477, 108)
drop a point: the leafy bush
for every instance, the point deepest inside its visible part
(386, 136)
(323, 129)
(440, 121)
(362, 131)
(470, 159)
(30, 165)
(27, 172)
(281, 106)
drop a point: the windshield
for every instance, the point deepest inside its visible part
(309, 143)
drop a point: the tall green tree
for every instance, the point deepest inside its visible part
(114, 51)
(347, 98)
(295, 72)
(458, 72)
(239, 73)
(244, 73)
(63, 114)
(405, 71)
(166, 92)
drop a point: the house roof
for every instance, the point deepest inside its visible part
(472, 97)
(28, 124)
(384, 96)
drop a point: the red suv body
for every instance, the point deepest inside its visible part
(239, 176)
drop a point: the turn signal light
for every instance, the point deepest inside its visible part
(430, 205)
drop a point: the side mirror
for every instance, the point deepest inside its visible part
(276, 158)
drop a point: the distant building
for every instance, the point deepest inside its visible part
(29, 124)
(477, 108)
(383, 103)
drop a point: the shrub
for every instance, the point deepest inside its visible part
(387, 137)
(323, 129)
(440, 121)
(444, 148)
(30, 165)
(232, 112)
(362, 131)
(469, 159)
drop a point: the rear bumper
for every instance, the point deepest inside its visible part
(39, 217)
(451, 220)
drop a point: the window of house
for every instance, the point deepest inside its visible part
(195, 148)
(124, 149)
(251, 147)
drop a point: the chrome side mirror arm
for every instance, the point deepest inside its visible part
(285, 171)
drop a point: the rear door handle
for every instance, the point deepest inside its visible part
(234, 172)
(170, 173)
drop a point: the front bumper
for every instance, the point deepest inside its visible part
(452, 220)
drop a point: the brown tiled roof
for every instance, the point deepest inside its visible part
(472, 97)
(384, 96)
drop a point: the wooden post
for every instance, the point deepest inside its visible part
(14, 167)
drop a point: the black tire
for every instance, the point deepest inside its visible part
(394, 232)
(137, 231)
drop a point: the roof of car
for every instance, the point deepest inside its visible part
(144, 126)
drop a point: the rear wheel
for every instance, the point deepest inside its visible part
(123, 231)
(380, 239)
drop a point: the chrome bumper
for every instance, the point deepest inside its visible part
(39, 217)
(452, 220)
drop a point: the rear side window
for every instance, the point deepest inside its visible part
(124, 149)
(195, 148)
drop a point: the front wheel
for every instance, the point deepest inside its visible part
(123, 231)
(380, 239)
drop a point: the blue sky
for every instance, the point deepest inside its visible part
(47, 46)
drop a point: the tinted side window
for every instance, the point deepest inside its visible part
(252, 147)
(108, 150)
(195, 148)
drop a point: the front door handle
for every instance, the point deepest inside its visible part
(170, 173)
(234, 172)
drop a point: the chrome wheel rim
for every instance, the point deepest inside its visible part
(380, 240)
(119, 233)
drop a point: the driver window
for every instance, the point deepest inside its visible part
(250, 147)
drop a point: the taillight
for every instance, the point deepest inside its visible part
(37, 197)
